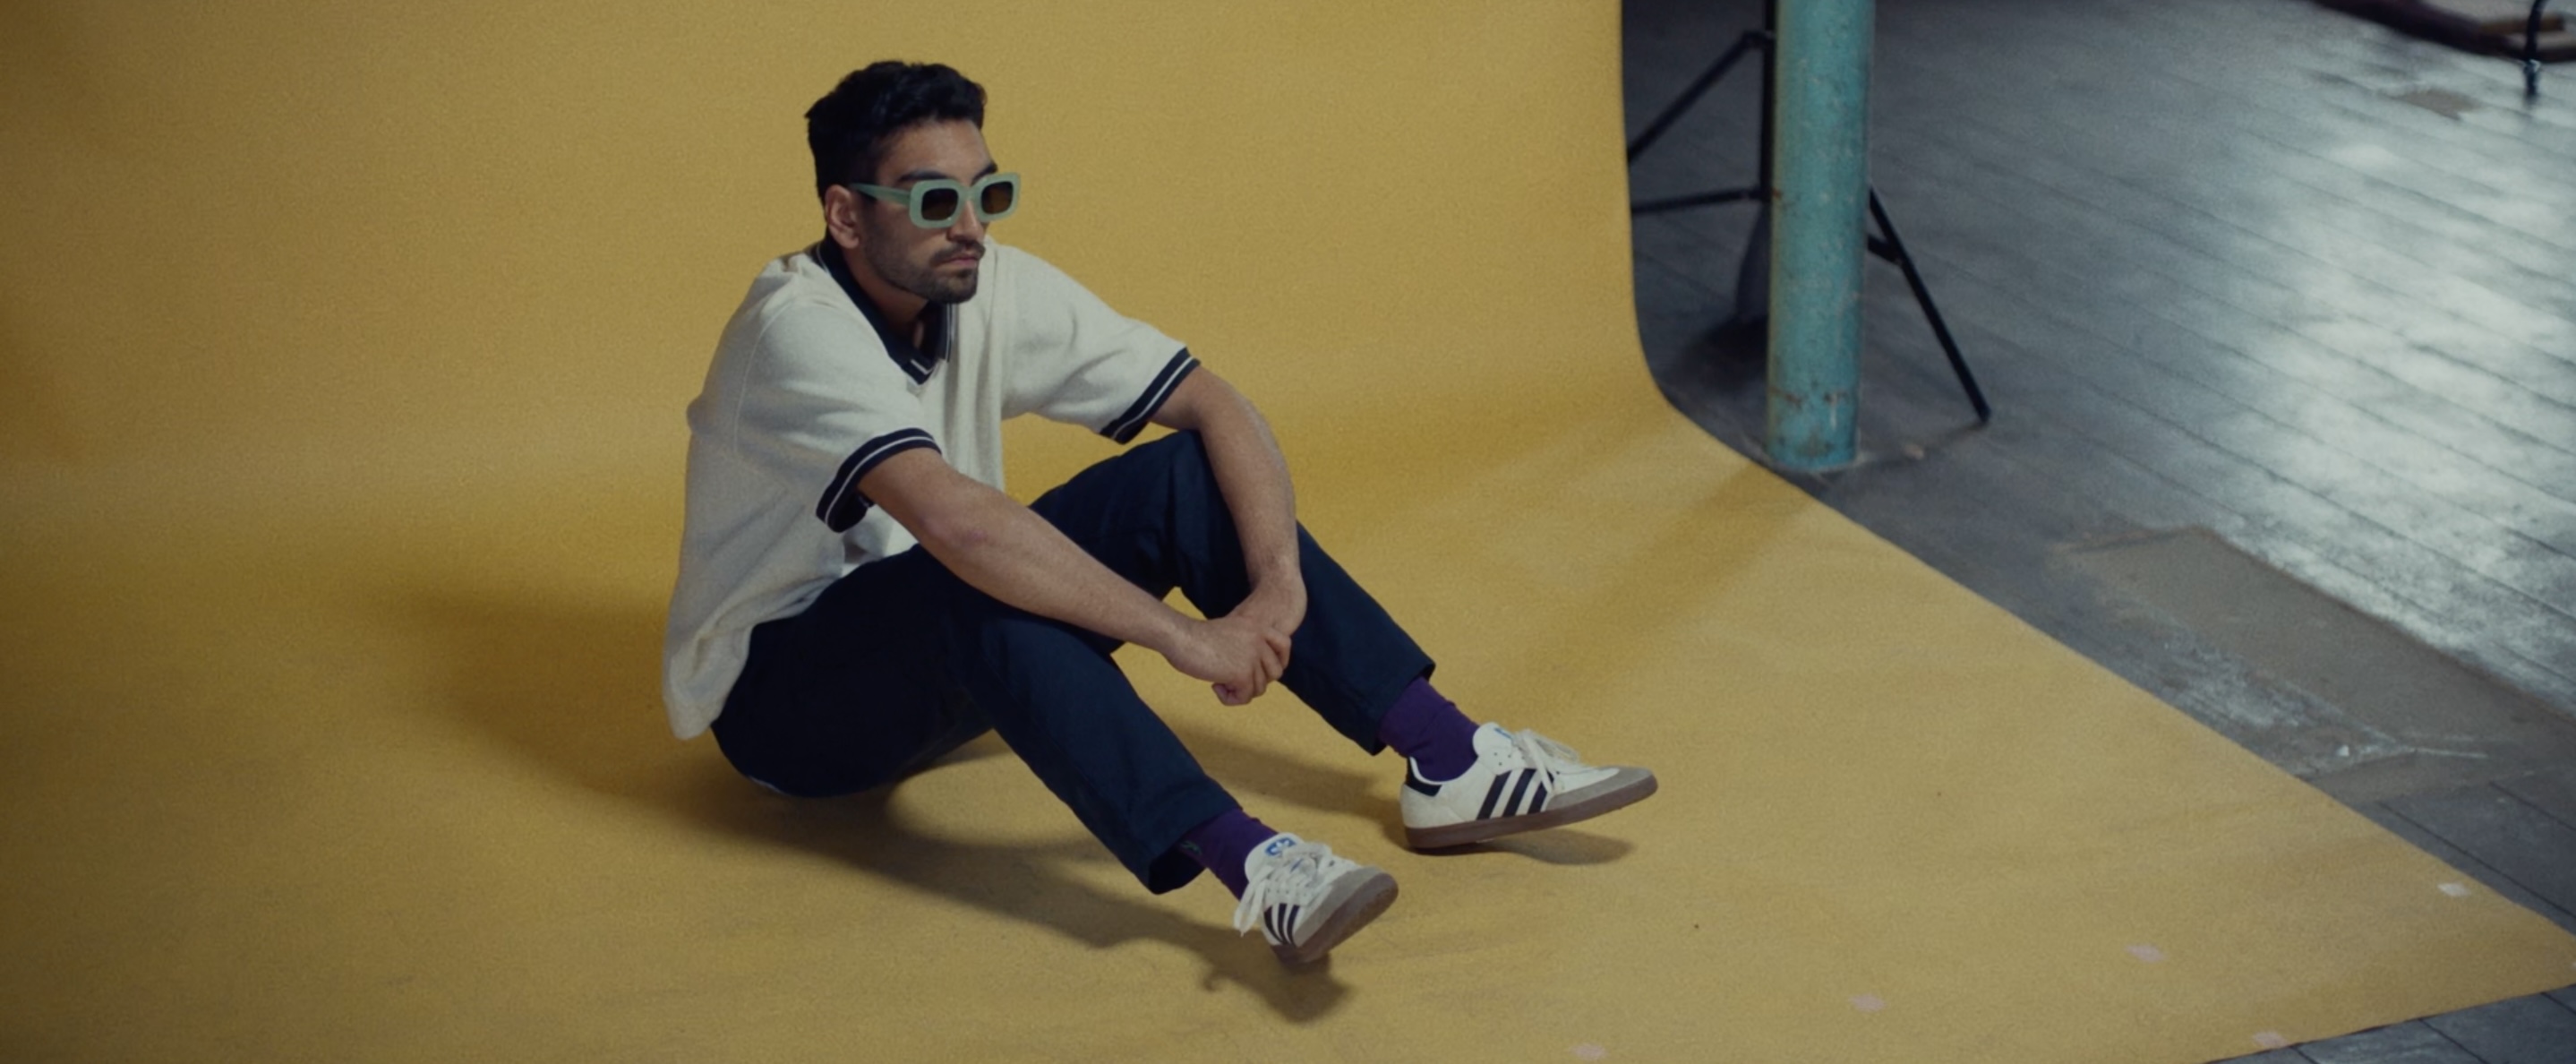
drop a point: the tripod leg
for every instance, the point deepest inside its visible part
(1923, 297)
(1771, 91)
(1753, 275)
(1708, 78)
(2531, 52)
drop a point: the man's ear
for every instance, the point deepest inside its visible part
(841, 209)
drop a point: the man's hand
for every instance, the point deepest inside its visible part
(1276, 608)
(1278, 605)
(1253, 477)
(1238, 656)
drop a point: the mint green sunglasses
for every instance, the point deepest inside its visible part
(936, 202)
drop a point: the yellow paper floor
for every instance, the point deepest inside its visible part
(342, 351)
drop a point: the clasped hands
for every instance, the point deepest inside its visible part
(1242, 653)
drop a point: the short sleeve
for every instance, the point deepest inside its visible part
(1075, 360)
(820, 404)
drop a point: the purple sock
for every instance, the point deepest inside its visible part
(1430, 730)
(1223, 842)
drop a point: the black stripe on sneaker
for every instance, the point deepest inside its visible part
(1493, 796)
(1539, 801)
(1513, 808)
(1290, 935)
(1413, 778)
(1270, 923)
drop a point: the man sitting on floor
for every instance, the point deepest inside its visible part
(858, 597)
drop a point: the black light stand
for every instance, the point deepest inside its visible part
(1885, 243)
(2530, 55)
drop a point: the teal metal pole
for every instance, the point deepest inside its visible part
(1820, 198)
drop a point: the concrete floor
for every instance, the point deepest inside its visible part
(2279, 312)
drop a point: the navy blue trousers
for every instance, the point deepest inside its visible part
(900, 662)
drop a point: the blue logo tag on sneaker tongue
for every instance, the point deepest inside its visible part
(1278, 844)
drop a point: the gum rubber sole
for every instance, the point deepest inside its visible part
(1614, 795)
(1366, 901)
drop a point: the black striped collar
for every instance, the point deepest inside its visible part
(916, 362)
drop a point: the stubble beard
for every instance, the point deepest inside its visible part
(922, 280)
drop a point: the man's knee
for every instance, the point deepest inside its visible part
(1184, 453)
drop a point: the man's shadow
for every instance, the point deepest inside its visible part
(576, 688)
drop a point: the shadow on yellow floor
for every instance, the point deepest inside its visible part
(564, 688)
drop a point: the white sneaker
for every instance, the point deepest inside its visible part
(1520, 782)
(1306, 899)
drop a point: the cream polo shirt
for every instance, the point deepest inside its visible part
(808, 392)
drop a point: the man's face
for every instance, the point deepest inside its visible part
(939, 265)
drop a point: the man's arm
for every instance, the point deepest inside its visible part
(1007, 551)
(1253, 476)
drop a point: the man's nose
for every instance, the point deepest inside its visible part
(969, 228)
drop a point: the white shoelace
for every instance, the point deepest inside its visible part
(1299, 877)
(1550, 757)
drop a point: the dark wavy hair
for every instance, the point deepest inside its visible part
(849, 127)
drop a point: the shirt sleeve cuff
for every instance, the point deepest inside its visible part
(1141, 413)
(843, 504)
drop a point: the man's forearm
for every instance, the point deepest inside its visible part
(1006, 550)
(1253, 475)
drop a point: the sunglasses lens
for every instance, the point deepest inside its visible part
(937, 206)
(997, 199)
